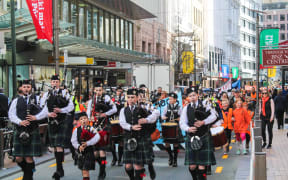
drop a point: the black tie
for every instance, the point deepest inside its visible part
(194, 106)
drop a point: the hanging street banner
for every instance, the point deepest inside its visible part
(272, 72)
(225, 71)
(268, 37)
(275, 57)
(227, 86)
(235, 72)
(41, 13)
(187, 62)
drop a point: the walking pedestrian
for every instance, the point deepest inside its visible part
(266, 110)
(280, 106)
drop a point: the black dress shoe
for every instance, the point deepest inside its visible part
(113, 162)
(264, 145)
(102, 176)
(120, 163)
(152, 172)
(269, 146)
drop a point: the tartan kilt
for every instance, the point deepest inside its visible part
(143, 153)
(86, 161)
(31, 150)
(179, 139)
(204, 156)
(59, 136)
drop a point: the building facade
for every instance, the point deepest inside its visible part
(222, 38)
(101, 30)
(248, 38)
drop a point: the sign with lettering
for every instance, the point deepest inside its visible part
(275, 57)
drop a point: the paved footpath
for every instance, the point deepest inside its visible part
(227, 168)
(277, 157)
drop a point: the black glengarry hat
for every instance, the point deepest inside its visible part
(173, 95)
(55, 77)
(192, 89)
(132, 92)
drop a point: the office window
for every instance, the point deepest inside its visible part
(131, 36)
(81, 20)
(117, 32)
(254, 53)
(249, 39)
(143, 46)
(126, 34)
(253, 40)
(254, 66)
(269, 17)
(101, 25)
(244, 23)
(249, 65)
(112, 21)
(243, 9)
(244, 51)
(74, 17)
(95, 24)
(89, 22)
(282, 36)
(282, 27)
(282, 17)
(65, 11)
(275, 17)
(122, 33)
(249, 52)
(244, 37)
(107, 28)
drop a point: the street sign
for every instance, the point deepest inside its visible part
(187, 62)
(235, 72)
(268, 37)
(275, 57)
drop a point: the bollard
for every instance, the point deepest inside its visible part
(1, 149)
(258, 123)
(260, 166)
(258, 143)
(257, 131)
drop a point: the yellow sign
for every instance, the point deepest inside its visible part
(272, 72)
(187, 62)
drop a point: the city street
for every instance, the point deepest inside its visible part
(227, 168)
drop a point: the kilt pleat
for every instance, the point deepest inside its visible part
(34, 149)
(59, 136)
(86, 161)
(205, 156)
(143, 153)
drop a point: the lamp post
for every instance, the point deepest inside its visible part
(56, 35)
(13, 37)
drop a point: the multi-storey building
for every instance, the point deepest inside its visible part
(222, 37)
(183, 21)
(248, 13)
(276, 16)
(101, 30)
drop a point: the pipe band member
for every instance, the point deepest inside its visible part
(57, 104)
(83, 139)
(199, 148)
(172, 113)
(26, 137)
(99, 110)
(137, 139)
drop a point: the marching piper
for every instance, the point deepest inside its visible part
(137, 139)
(172, 113)
(195, 120)
(26, 138)
(83, 139)
(57, 104)
(100, 108)
(119, 101)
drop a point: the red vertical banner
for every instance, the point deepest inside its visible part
(41, 13)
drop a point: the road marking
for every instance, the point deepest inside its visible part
(230, 147)
(20, 178)
(219, 169)
(233, 140)
(225, 156)
(53, 165)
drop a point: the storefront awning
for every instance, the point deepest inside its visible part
(90, 48)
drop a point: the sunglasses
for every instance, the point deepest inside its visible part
(264, 93)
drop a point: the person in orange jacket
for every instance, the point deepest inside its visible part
(248, 132)
(241, 123)
(227, 122)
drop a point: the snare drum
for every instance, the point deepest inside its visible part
(218, 135)
(116, 129)
(170, 131)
